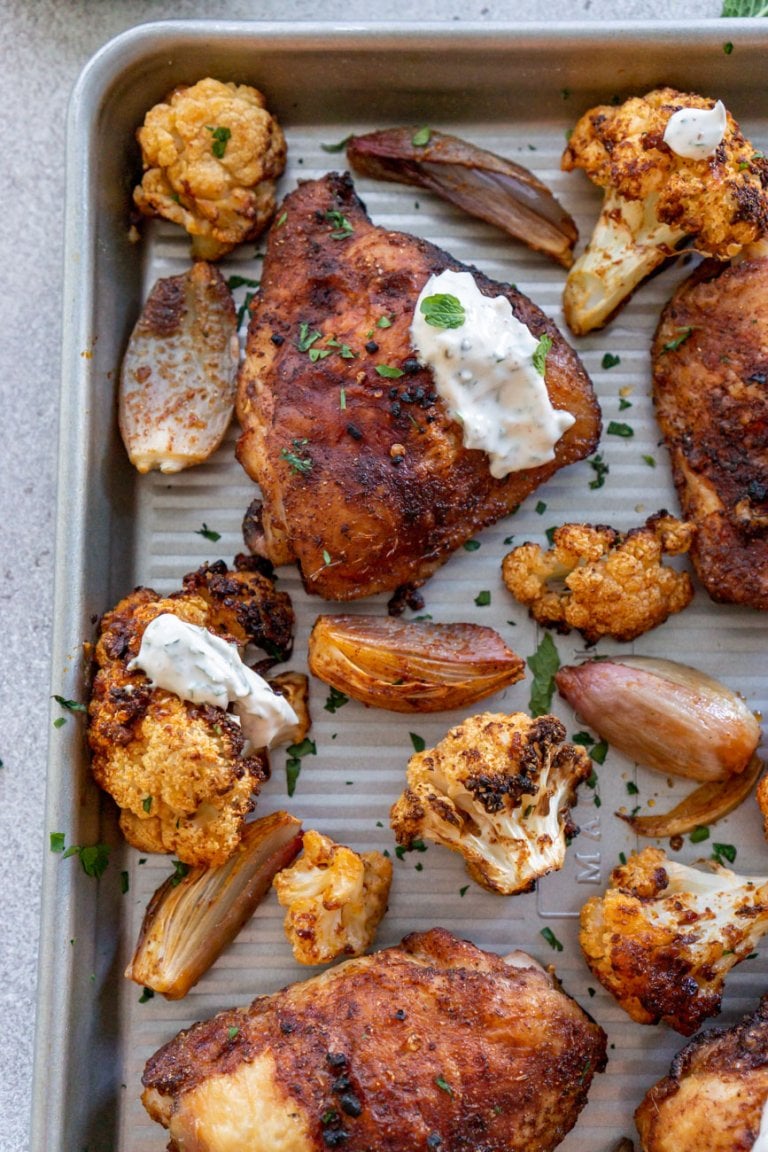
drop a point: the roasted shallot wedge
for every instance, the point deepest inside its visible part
(664, 715)
(483, 184)
(189, 921)
(409, 666)
(177, 383)
(700, 808)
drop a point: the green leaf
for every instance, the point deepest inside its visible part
(483, 599)
(700, 833)
(208, 533)
(342, 227)
(296, 462)
(673, 345)
(443, 1085)
(443, 310)
(339, 146)
(94, 859)
(147, 994)
(722, 852)
(221, 137)
(610, 361)
(598, 752)
(615, 428)
(57, 841)
(419, 743)
(744, 8)
(147, 804)
(240, 282)
(650, 461)
(180, 870)
(307, 337)
(70, 705)
(540, 354)
(551, 939)
(471, 545)
(544, 664)
(336, 700)
(383, 322)
(389, 372)
(624, 404)
(421, 137)
(601, 470)
(541, 507)
(244, 308)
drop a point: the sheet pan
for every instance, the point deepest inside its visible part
(514, 90)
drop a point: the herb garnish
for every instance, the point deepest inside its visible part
(147, 804)
(147, 994)
(483, 599)
(722, 852)
(208, 533)
(471, 545)
(443, 1085)
(601, 470)
(624, 404)
(673, 345)
(221, 137)
(421, 137)
(419, 743)
(307, 337)
(700, 833)
(297, 463)
(389, 372)
(443, 310)
(540, 353)
(70, 705)
(94, 858)
(615, 428)
(541, 507)
(650, 461)
(244, 309)
(551, 939)
(240, 282)
(609, 361)
(544, 664)
(342, 227)
(339, 146)
(336, 700)
(307, 747)
(383, 322)
(180, 870)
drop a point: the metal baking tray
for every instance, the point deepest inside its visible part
(513, 89)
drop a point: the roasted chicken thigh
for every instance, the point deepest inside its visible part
(433, 1044)
(364, 477)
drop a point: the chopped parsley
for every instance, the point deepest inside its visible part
(419, 743)
(599, 751)
(463, 891)
(649, 460)
(421, 137)
(601, 470)
(544, 664)
(342, 399)
(244, 308)
(326, 557)
(673, 345)
(383, 322)
(147, 804)
(125, 883)
(94, 858)
(336, 700)
(281, 219)
(616, 428)
(609, 361)
(540, 353)
(180, 870)
(632, 788)
(541, 507)
(700, 833)
(307, 337)
(70, 705)
(551, 939)
(296, 462)
(147, 994)
(307, 747)
(722, 852)
(221, 137)
(57, 841)
(483, 599)
(443, 1085)
(241, 282)
(208, 533)
(339, 146)
(342, 229)
(232, 1032)
(471, 545)
(389, 372)
(443, 310)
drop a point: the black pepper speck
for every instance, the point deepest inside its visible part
(395, 408)
(350, 1104)
(410, 366)
(371, 346)
(277, 339)
(354, 432)
(336, 1059)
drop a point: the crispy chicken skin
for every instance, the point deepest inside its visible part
(430, 1044)
(364, 477)
(176, 769)
(710, 370)
(714, 1094)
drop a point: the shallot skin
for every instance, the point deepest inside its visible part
(664, 715)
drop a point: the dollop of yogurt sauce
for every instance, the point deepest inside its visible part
(484, 370)
(204, 669)
(695, 133)
(761, 1143)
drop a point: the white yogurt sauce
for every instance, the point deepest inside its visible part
(485, 373)
(761, 1143)
(204, 669)
(695, 133)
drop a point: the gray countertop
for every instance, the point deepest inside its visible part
(45, 45)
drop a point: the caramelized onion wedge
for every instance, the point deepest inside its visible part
(189, 922)
(706, 804)
(411, 667)
(177, 383)
(294, 686)
(482, 183)
(664, 715)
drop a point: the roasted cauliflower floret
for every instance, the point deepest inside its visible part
(656, 199)
(211, 155)
(497, 789)
(335, 899)
(664, 936)
(603, 582)
(181, 772)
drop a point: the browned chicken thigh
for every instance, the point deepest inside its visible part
(363, 473)
(433, 1044)
(710, 357)
(714, 1095)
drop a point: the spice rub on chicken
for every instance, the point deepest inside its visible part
(182, 772)
(363, 470)
(433, 1044)
(710, 388)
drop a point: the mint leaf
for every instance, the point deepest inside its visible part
(421, 137)
(540, 354)
(744, 8)
(544, 664)
(443, 310)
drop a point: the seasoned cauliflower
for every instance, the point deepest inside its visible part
(664, 936)
(656, 199)
(211, 155)
(181, 772)
(497, 789)
(603, 582)
(335, 899)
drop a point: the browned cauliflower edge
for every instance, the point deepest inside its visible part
(497, 789)
(211, 155)
(664, 936)
(655, 199)
(180, 772)
(335, 898)
(603, 582)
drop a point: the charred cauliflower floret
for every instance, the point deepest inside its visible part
(181, 772)
(655, 199)
(664, 936)
(603, 582)
(335, 899)
(497, 789)
(211, 155)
